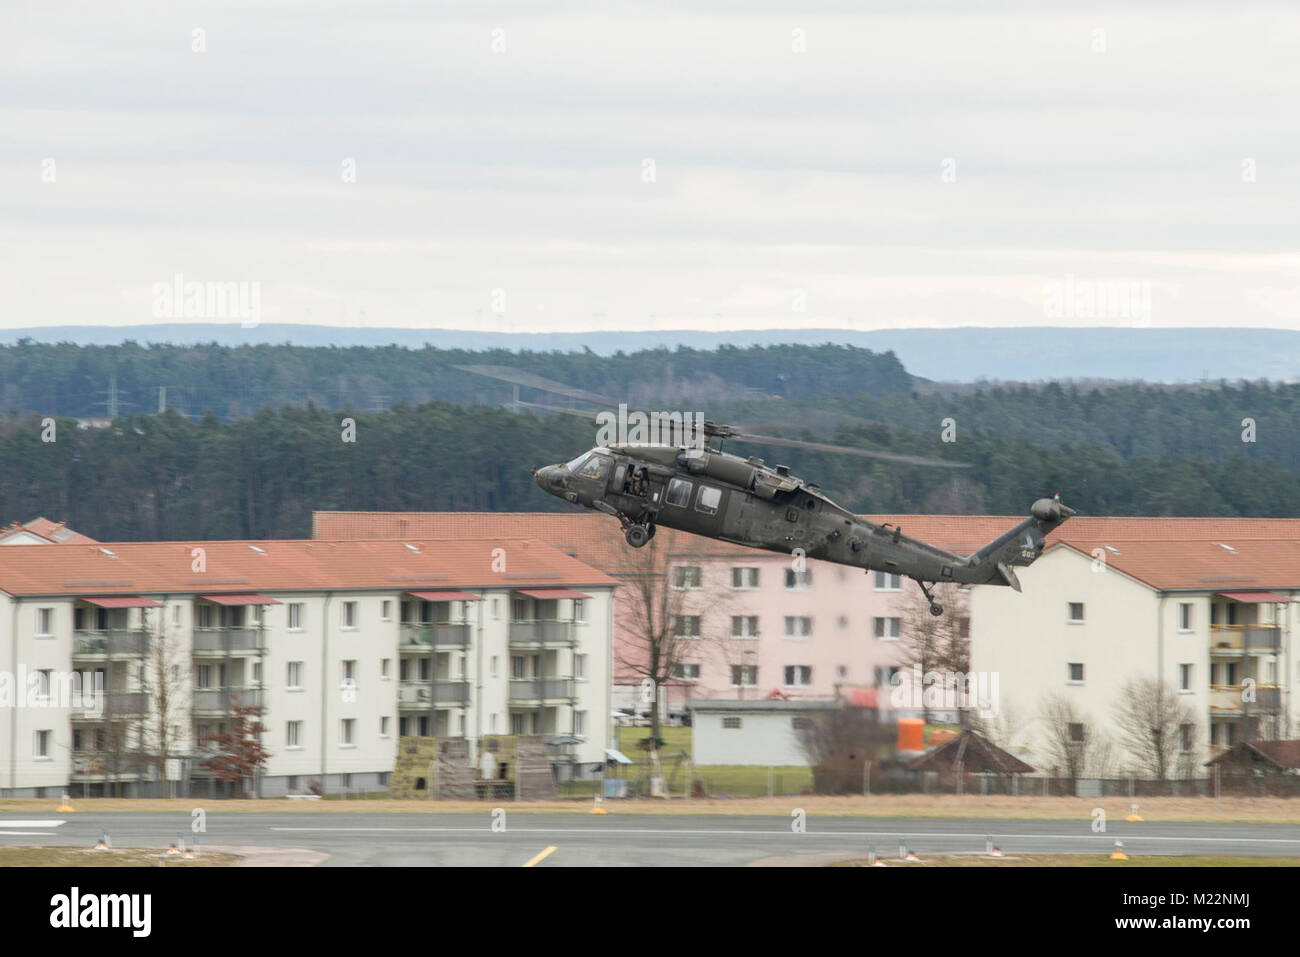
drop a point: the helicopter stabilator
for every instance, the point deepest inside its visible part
(715, 494)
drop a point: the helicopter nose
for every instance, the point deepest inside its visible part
(548, 478)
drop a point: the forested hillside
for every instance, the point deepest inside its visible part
(236, 382)
(167, 477)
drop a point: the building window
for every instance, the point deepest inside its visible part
(257, 673)
(687, 672)
(205, 616)
(176, 615)
(348, 614)
(41, 744)
(44, 622)
(383, 726)
(686, 576)
(744, 578)
(798, 579)
(841, 671)
(203, 676)
(708, 499)
(519, 609)
(293, 676)
(580, 722)
(731, 724)
(517, 723)
(293, 734)
(496, 667)
(1075, 672)
(348, 673)
(580, 666)
(492, 722)
(295, 616)
(800, 724)
(385, 668)
(888, 629)
(887, 582)
(744, 676)
(347, 732)
(798, 676)
(963, 626)
(386, 610)
(797, 626)
(1185, 616)
(1186, 735)
(496, 607)
(1076, 612)
(1076, 733)
(686, 626)
(579, 610)
(1184, 677)
(518, 666)
(744, 626)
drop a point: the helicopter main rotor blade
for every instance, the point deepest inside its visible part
(847, 450)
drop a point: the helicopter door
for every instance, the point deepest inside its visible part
(708, 509)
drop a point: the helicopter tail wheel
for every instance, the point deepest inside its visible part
(637, 535)
(936, 609)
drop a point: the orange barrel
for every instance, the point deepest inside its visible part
(911, 734)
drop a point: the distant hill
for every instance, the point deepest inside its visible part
(967, 354)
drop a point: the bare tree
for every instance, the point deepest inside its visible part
(1074, 742)
(838, 743)
(1003, 726)
(164, 680)
(1155, 725)
(661, 597)
(933, 643)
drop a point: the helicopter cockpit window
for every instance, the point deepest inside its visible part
(679, 493)
(573, 466)
(593, 468)
(708, 499)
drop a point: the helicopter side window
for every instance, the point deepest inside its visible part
(708, 499)
(679, 493)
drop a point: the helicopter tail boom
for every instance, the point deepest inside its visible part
(1020, 545)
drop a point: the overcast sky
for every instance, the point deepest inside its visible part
(709, 164)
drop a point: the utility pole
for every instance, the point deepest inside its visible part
(162, 399)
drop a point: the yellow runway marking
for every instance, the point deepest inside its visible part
(542, 856)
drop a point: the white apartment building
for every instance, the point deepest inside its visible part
(1207, 606)
(342, 646)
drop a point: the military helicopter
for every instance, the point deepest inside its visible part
(699, 488)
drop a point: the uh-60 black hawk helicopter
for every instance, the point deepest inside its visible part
(701, 489)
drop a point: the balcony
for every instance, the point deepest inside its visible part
(220, 642)
(422, 695)
(118, 704)
(541, 690)
(221, 700)
(1243, 639)
(1228, 700)
(107, 766)
(539, 632)
(103, 643)
(423, 635)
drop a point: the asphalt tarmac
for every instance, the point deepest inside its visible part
(634, 840)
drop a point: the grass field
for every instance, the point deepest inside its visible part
(115, 857)
(1079, 860)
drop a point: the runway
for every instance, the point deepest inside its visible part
(633, 840)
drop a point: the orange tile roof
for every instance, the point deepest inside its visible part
(1163, 552)
(54, 532)
(1202, 564)
(166, 567)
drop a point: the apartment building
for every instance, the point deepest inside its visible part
(121, 658)
(757, 623)
(1206, 606)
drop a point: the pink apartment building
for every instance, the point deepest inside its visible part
(759, 626)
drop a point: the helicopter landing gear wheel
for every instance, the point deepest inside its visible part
(936, 609)
(637, 535)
